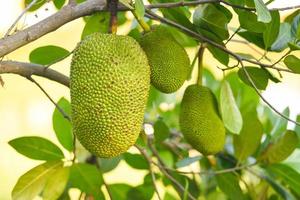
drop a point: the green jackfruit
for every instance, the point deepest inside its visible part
(199, 120)
(109, 82)
(281, 149)
(169, 62)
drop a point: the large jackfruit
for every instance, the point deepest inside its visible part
(109, 81)
(199, 120)
(169, 62)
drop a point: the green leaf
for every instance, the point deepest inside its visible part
(37, 148)
(180, 15)
(139, 9)
(259, 76)
(169, 196)
(32, 182)
(297, 128)
(284, 193)
(287, 174)
(248, 21)
(36, 6)
(231, 115)
(272, 29)
(249, 139)
(187, 161)
(296, 27)
(161, 131)
(229, 184)
(263, 14)
(119, 191)
(210, 18)
(283, 38)
(294, 46)
(141, 192)
(245, 96)
(87, 178)
(220, 55)
(55, 185)
(293, 63)
(281, 149)
(96, 23)
(167, 157)
(136, 161)
(108, 164)
(280, 125)
(289, 18)
(255, 38)
(62, 127)
(59, 3)
(46, 55)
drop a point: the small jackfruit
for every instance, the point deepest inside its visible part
(281, 149)
(199, 120)
(109, 83)
(169, 62)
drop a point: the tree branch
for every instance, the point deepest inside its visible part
(71, 12)
(149, 160)
(65, 15)
(28, 69)
(20, 16)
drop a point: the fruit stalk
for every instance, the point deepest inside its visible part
(113, 23)
(142, 22)
(200, 63)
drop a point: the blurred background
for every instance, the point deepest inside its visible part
(25, 110)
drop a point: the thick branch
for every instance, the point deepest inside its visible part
(28, 69)
(71, 12)
(65, 15)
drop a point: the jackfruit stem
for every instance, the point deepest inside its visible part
(142, 22)
(200, 63)
(113, 23)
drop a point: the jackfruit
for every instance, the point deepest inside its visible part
(281, 149)
(109, 83)
(199, 120)
(169, 62)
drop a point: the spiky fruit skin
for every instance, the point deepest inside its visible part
(169, 62)
(109, 83)
(200, 122)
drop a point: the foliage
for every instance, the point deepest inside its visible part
(255, 134)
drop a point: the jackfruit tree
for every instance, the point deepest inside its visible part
(163, 100)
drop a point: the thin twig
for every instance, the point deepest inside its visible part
(93, 160)
(282, 57)
(144, 153)
(198, 2)
(161, 165)
(235, 32)
(212, 172)
(65, 115)
(20, 16)
(263, 98)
